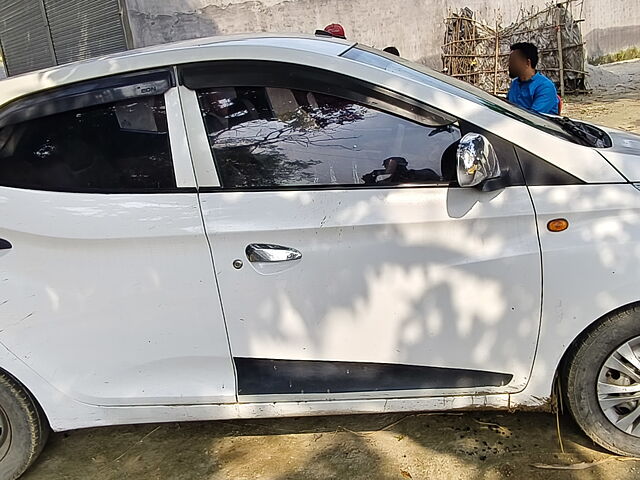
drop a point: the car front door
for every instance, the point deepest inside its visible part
(349, 261)
(108, 291)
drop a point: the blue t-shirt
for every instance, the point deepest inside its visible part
(538, 94)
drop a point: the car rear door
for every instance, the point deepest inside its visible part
(108, 291)
(349, 262)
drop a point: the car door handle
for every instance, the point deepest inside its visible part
(5, 244)
(264, 252)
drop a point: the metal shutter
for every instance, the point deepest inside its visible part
(85, 28)
(24, 36)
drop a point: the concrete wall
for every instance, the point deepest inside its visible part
(611, 25)
(414, 26)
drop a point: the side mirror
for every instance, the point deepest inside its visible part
(476, 160)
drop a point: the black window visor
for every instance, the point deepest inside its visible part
(86, 94)
(257, 73)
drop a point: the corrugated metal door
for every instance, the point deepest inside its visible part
(24, 35)
(39, 33)
(85, 28)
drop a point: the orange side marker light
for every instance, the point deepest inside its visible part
(557, 225)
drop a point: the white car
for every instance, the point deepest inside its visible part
(267, 226)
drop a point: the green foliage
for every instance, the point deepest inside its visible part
(627, 54)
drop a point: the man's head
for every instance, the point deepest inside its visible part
(523, 60)
(392, 51)
(335, 30)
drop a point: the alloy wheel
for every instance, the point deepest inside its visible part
(619, 387)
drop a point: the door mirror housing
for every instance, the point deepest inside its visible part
(476, 161)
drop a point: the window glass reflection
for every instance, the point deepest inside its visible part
(267, 137)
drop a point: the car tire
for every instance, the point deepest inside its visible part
(591, 386)
(24, 428)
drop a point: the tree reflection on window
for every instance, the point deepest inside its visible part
(269, 137)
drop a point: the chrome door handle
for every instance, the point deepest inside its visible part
(264, 252)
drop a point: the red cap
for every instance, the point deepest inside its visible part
(335, 29)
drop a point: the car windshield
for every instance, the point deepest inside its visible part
(425, 75)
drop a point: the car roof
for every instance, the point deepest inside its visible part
(254, 46)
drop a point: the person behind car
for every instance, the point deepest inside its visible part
(332, 30)
(392, 50)
(530, 89)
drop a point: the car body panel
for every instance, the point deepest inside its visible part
(624, 154)
(173, 360)
(169, 54)
(65, 413)
(589, 270)
(418, 276)
(109, 279)
(111, 298)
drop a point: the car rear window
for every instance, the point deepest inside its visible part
(88, 138)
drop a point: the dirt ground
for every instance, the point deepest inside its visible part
(478, 445)
(424, 446)
(615, 97)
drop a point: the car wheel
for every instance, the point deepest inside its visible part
(602, 383)
(23, 428)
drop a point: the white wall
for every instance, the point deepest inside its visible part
(414, 26)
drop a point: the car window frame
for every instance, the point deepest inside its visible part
(98, 91)
(245, 74)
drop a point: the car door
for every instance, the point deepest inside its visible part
(349, 261)
(108, 291)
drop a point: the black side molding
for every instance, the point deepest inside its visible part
(263, 376)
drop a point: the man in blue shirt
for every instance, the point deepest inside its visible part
(530, 89)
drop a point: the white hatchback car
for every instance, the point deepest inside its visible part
(288, 225)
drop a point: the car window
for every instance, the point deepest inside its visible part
(281, 137)
(428, 76)
(120, 146)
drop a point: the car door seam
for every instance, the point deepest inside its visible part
(209, 246)
(535, 351)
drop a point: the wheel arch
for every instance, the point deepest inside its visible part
(29, 393)
(49, 401)
(569, 351)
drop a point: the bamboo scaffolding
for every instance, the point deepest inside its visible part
(540, 50)
(478, 53)
(550, 69)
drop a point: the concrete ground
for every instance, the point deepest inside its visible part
(470, 446)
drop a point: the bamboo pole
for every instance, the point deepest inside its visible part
(512, 31)
(572, 70)
(474, 33)
(560, 56)
(495, 60)
(465, 40)
(491, 55)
